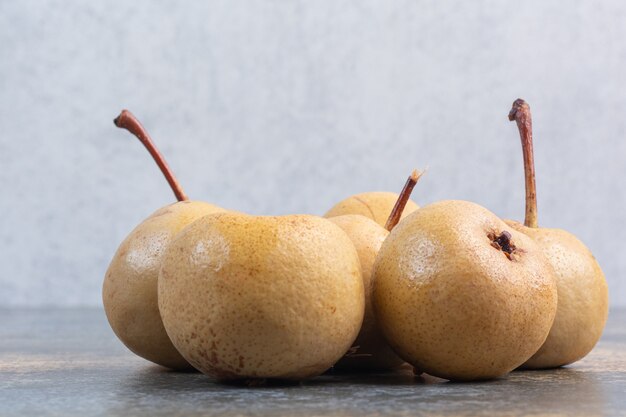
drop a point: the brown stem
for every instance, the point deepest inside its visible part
(403, 198)
(126, 120)
(520, 112)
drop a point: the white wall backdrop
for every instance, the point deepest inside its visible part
(278, 107)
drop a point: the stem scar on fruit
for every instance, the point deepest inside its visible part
(503, 242)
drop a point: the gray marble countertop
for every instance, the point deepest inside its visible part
(67, 362)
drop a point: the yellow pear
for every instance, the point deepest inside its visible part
(130, 285)
(583, 293)
(374, 205)
(460, 295)
(254, 297)
(370, 351)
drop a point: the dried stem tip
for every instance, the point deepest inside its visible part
(126, 120)
(403, 198)
(520, 112)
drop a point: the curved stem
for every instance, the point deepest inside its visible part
(403, 198)
(520, 112)
(126, 120)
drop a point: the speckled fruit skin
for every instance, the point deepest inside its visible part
(370, 350)
(375, 205)
(245, 297)
(130, 285)
(583, 304)
(453, 305)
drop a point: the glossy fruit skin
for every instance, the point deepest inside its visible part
(246, 297)
(455, 306)
(375, 205)
(370, 351)
(129, 292)
(583, 298)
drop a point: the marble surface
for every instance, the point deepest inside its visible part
(67, 362)
(275, 107)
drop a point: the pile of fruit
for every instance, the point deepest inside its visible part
(449, 288)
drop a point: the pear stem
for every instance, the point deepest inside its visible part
(126, 120)
(520, 112)
(403, 198)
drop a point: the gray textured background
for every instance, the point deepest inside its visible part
(277, 107)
